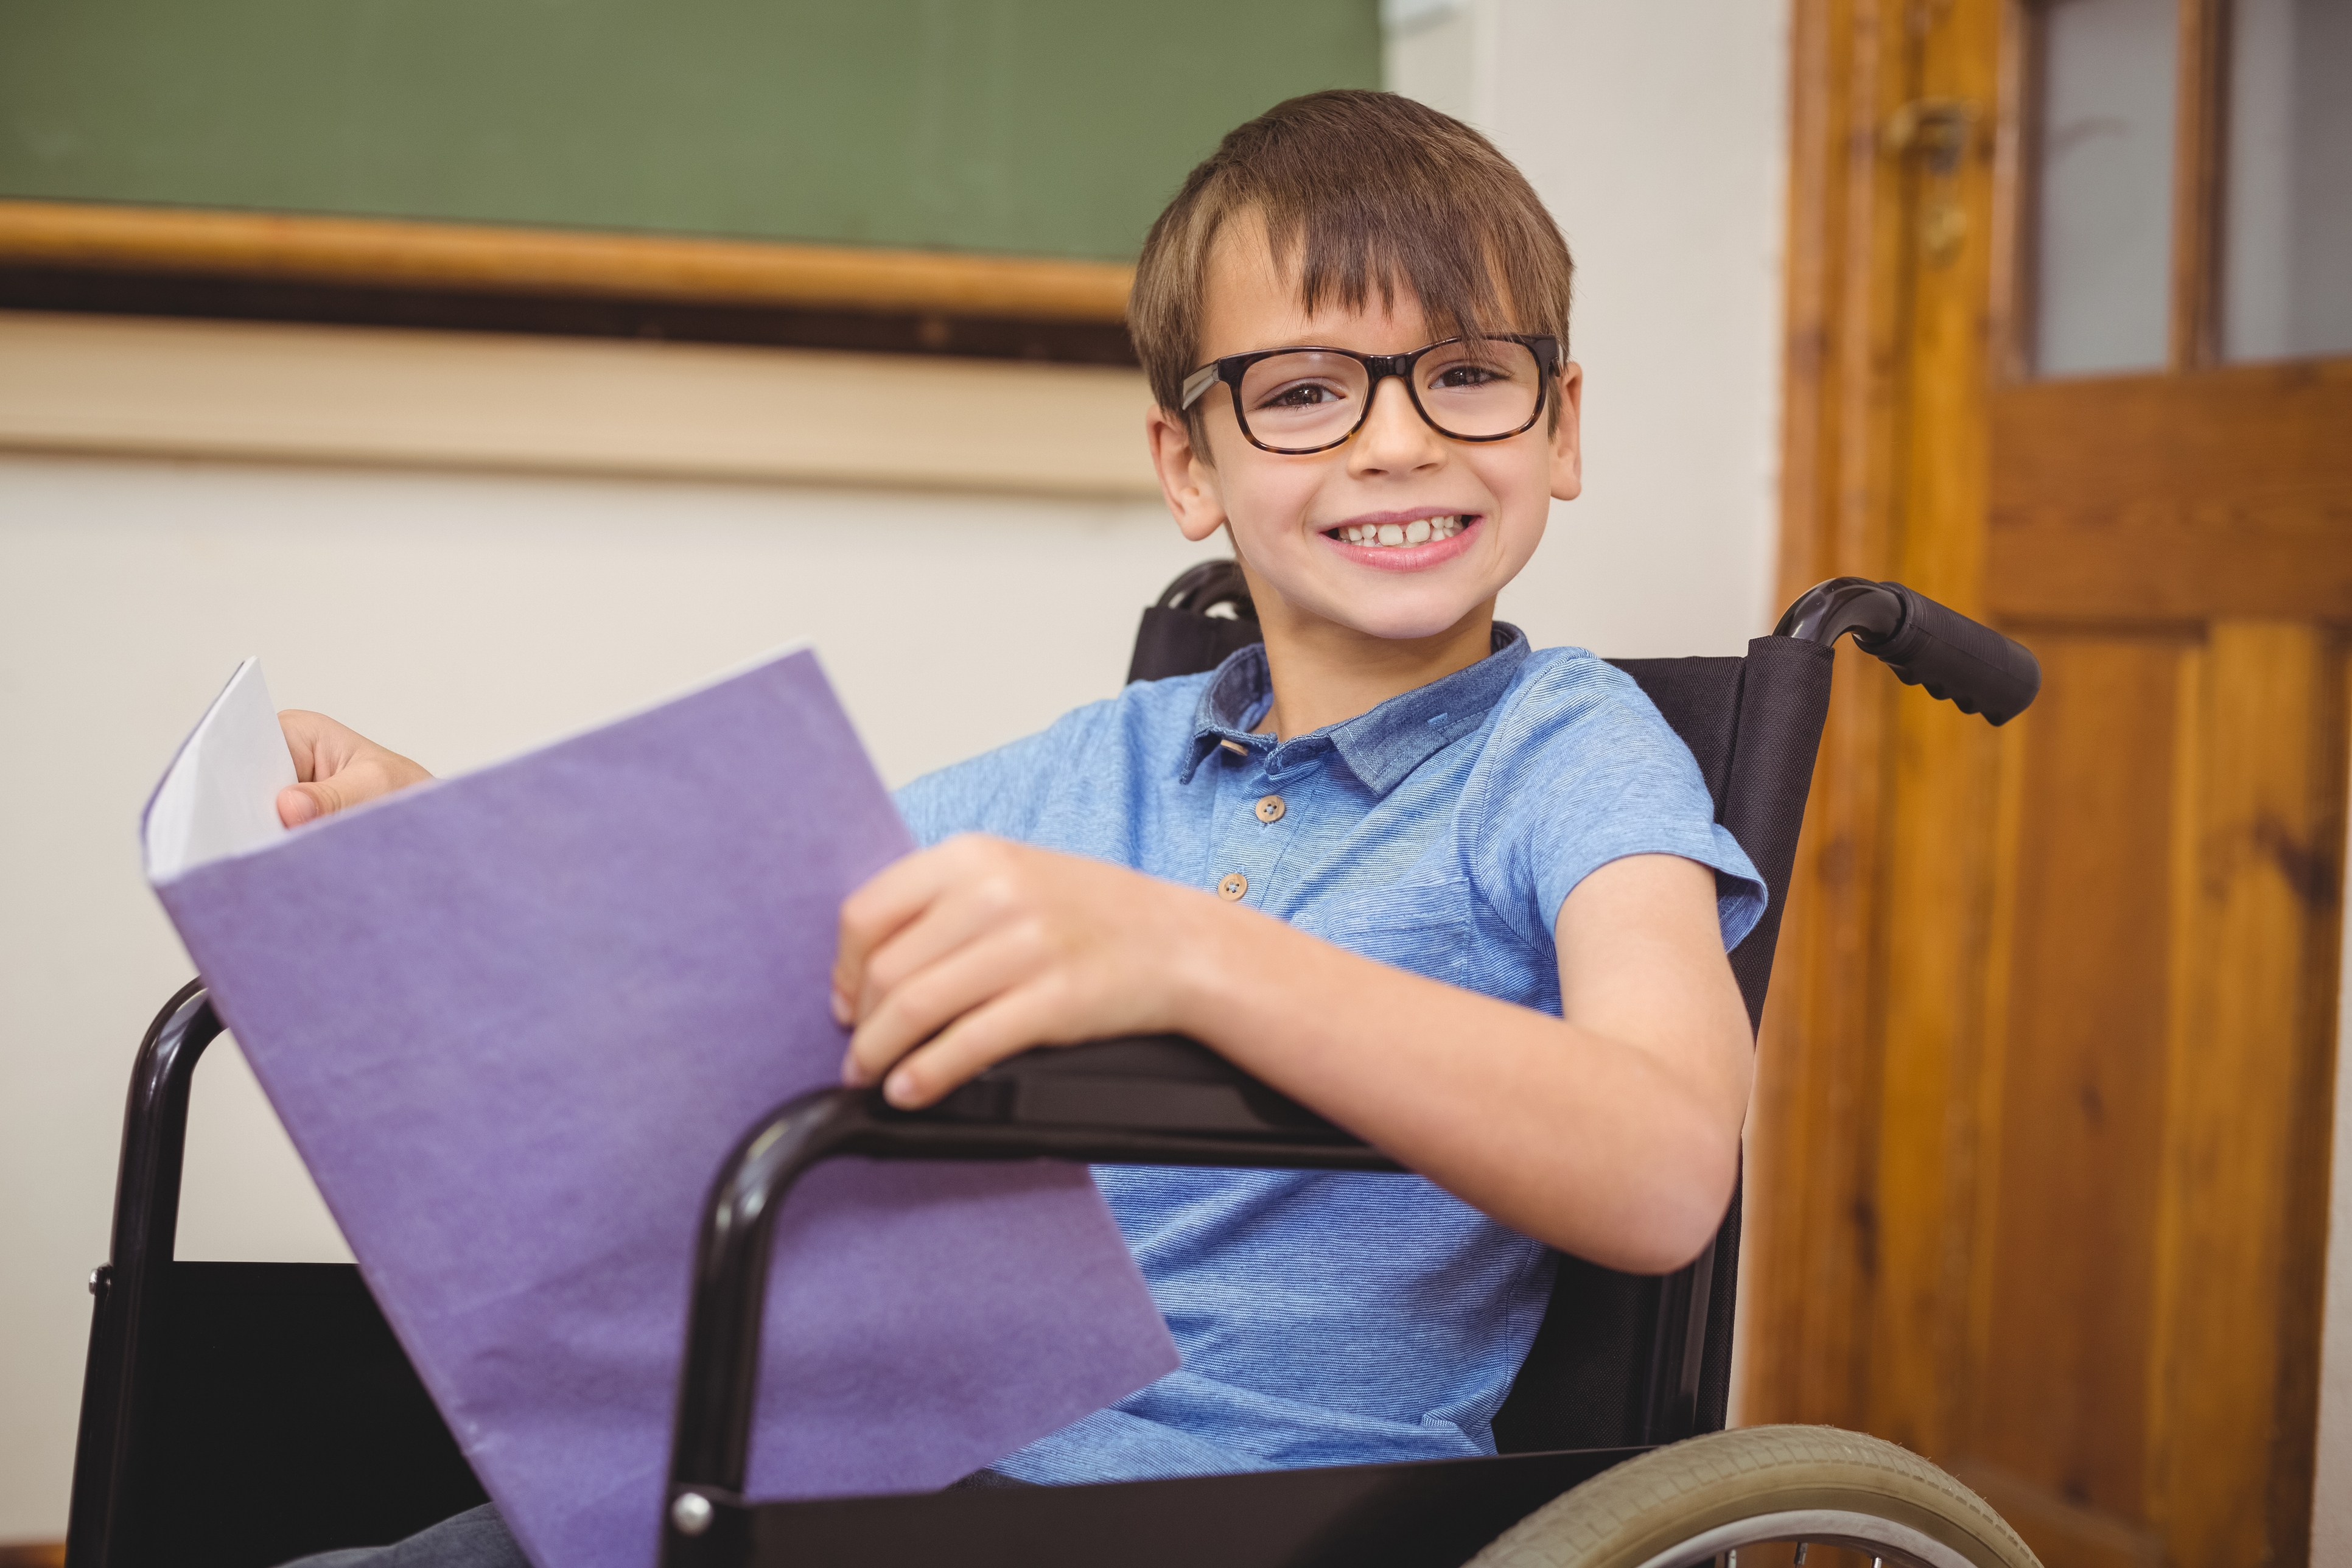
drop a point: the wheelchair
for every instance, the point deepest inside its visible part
(239, 1415)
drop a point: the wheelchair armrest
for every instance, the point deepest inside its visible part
(1144, 1083)
(1146, 1101)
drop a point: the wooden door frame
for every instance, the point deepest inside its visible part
(1833, 1120)
(1880, 1075)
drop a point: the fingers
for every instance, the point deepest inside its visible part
(1004, 1027)
(338, 767)
(309, 735)
(957, 957)
(889, 902)
(969, 905)
(299, 804)
(968, 978)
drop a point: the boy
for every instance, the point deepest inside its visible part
(1463, 897)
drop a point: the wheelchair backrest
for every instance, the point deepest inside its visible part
(1621, 1357)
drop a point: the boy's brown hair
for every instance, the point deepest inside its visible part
(1358, 191)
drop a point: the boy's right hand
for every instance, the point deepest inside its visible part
(339, 768)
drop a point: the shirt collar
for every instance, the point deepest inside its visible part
(1380, 747)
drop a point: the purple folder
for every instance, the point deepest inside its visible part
(513, 1020)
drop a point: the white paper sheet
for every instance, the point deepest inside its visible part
(220, 797)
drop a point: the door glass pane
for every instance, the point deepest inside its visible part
(2104, 186)
(2287, 192)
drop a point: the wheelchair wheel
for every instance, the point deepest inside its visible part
(1697, 1500)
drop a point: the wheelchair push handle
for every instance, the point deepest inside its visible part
(1965, 663)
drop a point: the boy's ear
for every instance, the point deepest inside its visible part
(1185, 477)
(1567, 438)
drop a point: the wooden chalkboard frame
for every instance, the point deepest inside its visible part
(213, 262)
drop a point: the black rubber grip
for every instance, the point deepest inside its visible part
(1973, 666)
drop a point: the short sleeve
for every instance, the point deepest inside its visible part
(995, 791)
(1583, 770)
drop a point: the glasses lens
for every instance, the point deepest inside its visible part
(1302, 400)
(1479, 387)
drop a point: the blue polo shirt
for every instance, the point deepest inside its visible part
(1330, 1317)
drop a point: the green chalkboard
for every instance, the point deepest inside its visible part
(1038, 127)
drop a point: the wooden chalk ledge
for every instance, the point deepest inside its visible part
(482, 259)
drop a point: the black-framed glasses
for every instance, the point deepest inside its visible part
(1300, 400)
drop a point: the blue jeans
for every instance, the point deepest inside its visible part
(476, 1538)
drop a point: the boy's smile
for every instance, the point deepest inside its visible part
(1405, 541)
(1383, 554)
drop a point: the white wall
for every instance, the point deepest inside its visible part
(456, 616)
(2331, 1490)
(460, 615)
(1657, 134)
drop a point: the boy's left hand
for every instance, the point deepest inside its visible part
(959, 956)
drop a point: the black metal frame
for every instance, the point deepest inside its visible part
(1157, 1100)
(146, 1220)
(1170, 1102)
(1151, 1101)
(354, 1443)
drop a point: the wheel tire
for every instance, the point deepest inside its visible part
(1684, 1503)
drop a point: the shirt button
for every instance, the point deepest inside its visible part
(1270, 808)
(1233, 886)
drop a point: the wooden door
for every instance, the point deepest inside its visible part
(2039, 1157)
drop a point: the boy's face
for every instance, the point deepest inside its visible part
(1289, 514)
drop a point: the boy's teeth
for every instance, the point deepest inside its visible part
(1421, 530)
